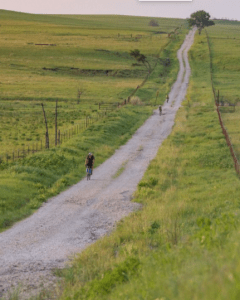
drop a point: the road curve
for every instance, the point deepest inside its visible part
(71, 221)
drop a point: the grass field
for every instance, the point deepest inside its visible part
(44, 58)
(184, 243)
(225, 43)
(82, 54)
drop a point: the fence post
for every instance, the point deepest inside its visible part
(46, 135)
(56, 112)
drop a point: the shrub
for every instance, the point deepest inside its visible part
(135, 100)
(153, 23)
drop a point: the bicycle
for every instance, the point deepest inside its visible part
(89, 173)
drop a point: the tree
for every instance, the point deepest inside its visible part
(140, 58)
(200, 19)
(153, 23)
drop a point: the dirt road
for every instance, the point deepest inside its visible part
(69, 222)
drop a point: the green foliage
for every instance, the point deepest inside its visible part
(215, 233)
(153, 23)
(103, 286)
(140, 58)
(224, 51)
(200, 19)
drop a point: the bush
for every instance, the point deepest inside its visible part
(153, 23)
(135, 100)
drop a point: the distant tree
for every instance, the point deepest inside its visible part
(153, 23)
(140, 58)
(200, 19)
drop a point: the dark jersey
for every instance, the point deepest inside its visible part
(89, 161)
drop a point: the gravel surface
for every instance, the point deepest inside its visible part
(71, 221)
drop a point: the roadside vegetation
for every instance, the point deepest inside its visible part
(184, 242)
(224, 45)
(79, 50)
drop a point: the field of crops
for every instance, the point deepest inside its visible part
(81, 61)
(225, 45)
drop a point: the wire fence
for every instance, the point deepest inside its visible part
(62, 135)
(220, 104)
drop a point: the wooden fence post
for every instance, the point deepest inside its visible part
(46, 135)
(56, 123)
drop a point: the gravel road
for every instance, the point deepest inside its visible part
(71, 221)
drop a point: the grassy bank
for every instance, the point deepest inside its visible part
(184, 243)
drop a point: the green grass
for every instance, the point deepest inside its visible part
(27, 70)
(27, 183)
(224, 43)
(184, 242)
(85, 48)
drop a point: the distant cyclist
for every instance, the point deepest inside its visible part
(89, 162)
(160, 110)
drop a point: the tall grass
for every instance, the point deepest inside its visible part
(225, 42)
(183, 243)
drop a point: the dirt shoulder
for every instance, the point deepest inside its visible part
(71, 221)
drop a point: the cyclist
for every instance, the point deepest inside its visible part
(160, 110)
(89, 162)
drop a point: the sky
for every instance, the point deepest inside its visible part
(171, 9)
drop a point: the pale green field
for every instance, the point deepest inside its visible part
(88, 53)
(225, 44)
(84, 48)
